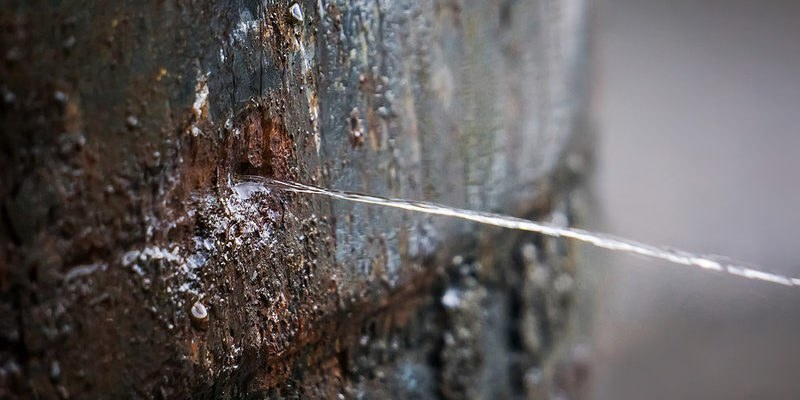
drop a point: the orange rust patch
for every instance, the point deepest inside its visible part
(263, 146)
(256, 144)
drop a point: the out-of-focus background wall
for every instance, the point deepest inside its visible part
(698, 106)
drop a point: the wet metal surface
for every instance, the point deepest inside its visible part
(134, 264)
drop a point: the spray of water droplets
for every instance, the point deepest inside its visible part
(601, 240)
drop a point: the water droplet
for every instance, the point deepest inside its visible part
(199, 313)
(451, 298)
(296, 12)
(132, 121)
(55, 371)
(529, 252)
(69, 42)
(245, 190)
(61, 97)
(563, 284)
(8, 96)
(540, 276)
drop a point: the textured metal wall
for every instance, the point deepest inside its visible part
(136, 261)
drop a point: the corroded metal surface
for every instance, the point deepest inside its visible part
(136, 262)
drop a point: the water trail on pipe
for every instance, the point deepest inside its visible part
(602, 240)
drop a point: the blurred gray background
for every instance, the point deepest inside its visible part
(698, 107)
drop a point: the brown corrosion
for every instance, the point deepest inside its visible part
(265, 147)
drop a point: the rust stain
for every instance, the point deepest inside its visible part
(331, 334)
(266, 147)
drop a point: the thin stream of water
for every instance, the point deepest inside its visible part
(601, 240)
